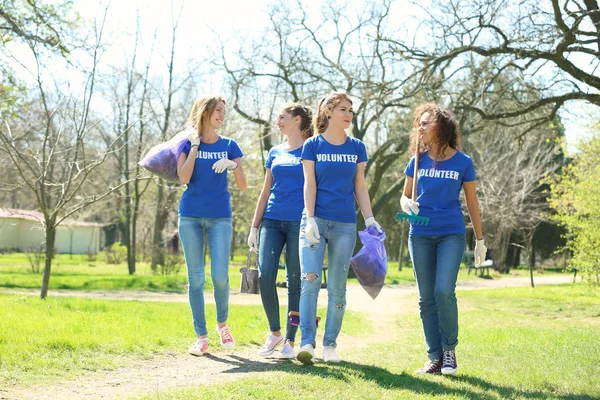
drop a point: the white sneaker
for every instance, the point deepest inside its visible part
(329, 354)
(287, 350)
(199, 347)
(306, 354)
(270, 345)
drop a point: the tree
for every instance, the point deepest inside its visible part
(54, 150)
(575, 194)
(552, 48)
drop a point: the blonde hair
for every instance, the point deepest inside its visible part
(447, 133)
(305, 114)
(202, 110)
(328, 102)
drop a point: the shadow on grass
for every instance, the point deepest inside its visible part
(344, 372)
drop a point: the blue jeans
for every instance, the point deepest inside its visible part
(436, 260)
(340, 238)
(192, 231)
(273, 235)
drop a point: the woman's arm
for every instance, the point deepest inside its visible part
(361, 192)
(310, 187)
(473, 207)
(261, 204)
(408, 184)
(240, 178)
(185, 165)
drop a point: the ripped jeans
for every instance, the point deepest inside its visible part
(340, 238)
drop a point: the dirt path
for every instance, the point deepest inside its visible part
(179, 370)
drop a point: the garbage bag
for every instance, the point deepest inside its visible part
(162, 159)
(370, 263)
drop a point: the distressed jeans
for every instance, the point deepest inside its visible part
(436, 260)
(273, 236)
(191, 232)
(340, 238)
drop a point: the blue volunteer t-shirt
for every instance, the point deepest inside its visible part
(207, 194)
(286, 201)
(438, 192)
(335, 169)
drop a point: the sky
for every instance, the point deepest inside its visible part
(202, 20)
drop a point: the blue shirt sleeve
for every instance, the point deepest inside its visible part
(469, 175)
(234, 151)
(362, 153)
(308, 151)
(269, 158)
(410, 168)
(187, 148)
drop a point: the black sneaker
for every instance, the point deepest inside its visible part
(449, 366)
(431, 367)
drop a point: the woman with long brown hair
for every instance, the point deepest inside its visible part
(436, 249)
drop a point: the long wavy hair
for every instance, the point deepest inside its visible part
(328, 102)
(202, 110)
(447, 132)
(305, 114)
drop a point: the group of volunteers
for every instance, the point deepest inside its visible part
(307, 204)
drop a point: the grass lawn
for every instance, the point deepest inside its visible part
(517, 343)
(78, 273)
(41, 341)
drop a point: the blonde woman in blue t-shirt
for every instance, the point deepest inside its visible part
(278, 213)
(205, 209)
(436, 249)
(334, 175)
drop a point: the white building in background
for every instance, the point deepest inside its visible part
(22, 230)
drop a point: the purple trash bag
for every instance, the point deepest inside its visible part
(162, 159)
(370, 263)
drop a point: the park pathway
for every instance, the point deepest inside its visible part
(147, 376)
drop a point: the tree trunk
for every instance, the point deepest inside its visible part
(158, 227)
(50, 235)
(402, 240)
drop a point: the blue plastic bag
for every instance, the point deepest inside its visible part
(370, 263)
(162, 159)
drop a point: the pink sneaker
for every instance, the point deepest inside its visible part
(199, 347)
(225, 337)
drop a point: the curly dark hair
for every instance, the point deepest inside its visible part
(447, 132)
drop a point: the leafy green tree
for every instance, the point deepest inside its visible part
(575, 194)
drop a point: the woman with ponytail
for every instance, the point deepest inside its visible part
(278, 213)
(205, 209)
(334, 174)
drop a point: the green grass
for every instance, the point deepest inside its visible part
(78, 273)
(518, 343)
(61, 337)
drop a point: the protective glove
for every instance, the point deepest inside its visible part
(370, 221)
(312, 230)
(253, 239)
(479, 253)
(409, 206)
(224, 164)
(194, 138)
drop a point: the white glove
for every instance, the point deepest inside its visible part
(253, 239)
(194, 138)
(409, 206)
(312, 230)
(479, 253)
(224, 164)
(370, 221)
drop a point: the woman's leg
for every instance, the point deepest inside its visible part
(192, 241)
(341, 238)
(269, 251)
(450, 250)
(424, 254)
(311, 266)
(292, 270)
(219, 244)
